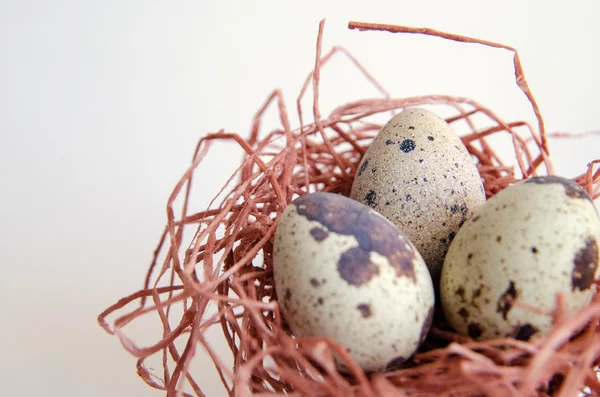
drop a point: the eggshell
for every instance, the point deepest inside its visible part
(531, 241)
(343, 271)
(419, 175)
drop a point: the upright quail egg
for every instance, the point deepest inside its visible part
(343, 271)
(418, 174)
(531, 241)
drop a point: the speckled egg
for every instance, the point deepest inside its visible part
(343, 271)
(418, 174)
(531, 241)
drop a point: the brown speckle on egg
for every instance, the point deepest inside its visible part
(407, 145)
(474, 330)
(363, 166)
(460, 291)
(524, 332)
(365, 310)
(372, 233)
(585, 265)
(355, 266)
(463, 313)
(506, 300)
(319, 233)
(370, 198)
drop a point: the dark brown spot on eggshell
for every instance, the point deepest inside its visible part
(355, 266)
(407, 145)
(524, 332)
(314, 282)
(365, 310)
(363, 167)
(318, 233)
(395, 363)
(474, 330)
(463, 313)
(373, 233)
(371, 197)
(572, 188)
(585, 265)
(460, 291)
(506, 300)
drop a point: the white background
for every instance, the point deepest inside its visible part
(101, 104)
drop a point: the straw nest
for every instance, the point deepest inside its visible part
(228, 263)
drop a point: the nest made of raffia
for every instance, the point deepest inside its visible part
(229, 262)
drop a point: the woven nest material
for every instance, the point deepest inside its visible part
(228, 263)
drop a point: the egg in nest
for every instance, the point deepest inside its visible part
(528, 243)
(343, 271)
(419, 175)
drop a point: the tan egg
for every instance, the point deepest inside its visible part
(419, 175)
(531, 241)
(343, 271)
